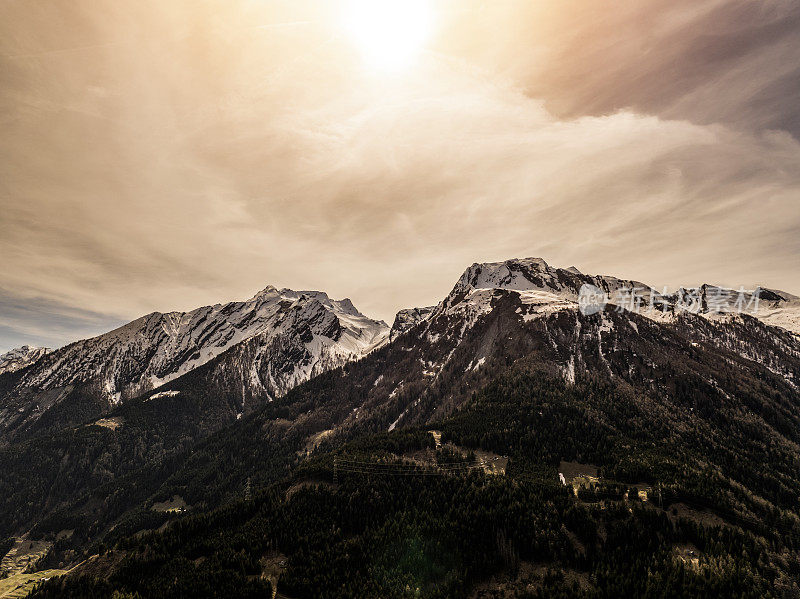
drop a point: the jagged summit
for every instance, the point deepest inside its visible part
(537, 283)
(282, 337)
(289, 336)
(20, 357)
(534, 274)
(543, 288)
(343, 306)
(517, 273)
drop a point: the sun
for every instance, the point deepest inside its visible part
(389, 33)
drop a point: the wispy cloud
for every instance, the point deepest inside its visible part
(708, 61)
(46, 323)
(217, 158)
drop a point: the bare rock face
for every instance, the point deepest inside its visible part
(407, 319)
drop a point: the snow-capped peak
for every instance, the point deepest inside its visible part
(21, 357)
(531, 277)
(545, 288)
(518, 274)
(160, 347)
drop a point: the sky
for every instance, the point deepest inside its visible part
(167, 155)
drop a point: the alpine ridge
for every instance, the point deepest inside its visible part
(21, 357)
(685, 405)
(545, 288)
(292, 335)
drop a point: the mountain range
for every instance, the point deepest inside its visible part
(279, 337)
(226, 411)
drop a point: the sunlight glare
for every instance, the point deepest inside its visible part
(389, 33)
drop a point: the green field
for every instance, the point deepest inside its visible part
(20, 585)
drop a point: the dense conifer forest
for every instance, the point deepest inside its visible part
(702, 531)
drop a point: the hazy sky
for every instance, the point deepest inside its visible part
(164, 155)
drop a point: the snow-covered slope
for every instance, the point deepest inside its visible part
(774, 307)
(294, 334)
(260, 348)
(544, 289)
(534, 274)
(19, 358)
(500, 312)
(784, 314)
